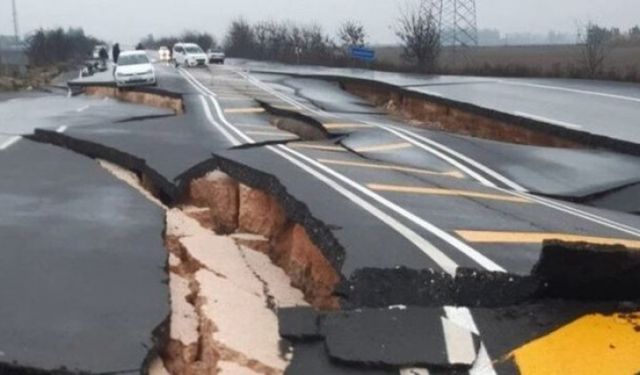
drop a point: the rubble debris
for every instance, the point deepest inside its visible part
(299, 324)
(387, 337)
(469, 287)
(412, 337)
(586, 271)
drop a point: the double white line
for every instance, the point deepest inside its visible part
(456, 346)
(470, 167)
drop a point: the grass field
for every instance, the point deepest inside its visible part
(622, 62)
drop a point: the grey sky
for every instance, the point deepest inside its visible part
(128, 20)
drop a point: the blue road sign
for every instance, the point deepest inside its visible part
(362, 53)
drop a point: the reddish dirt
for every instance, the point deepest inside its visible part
(220, 194)
(146, 98)
(247, 210)
(260, 213)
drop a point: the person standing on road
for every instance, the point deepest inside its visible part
(116, 52)
(104, 56)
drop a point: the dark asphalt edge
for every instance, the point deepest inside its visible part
(582, 137)
(295, 115)
(167, 192)
(171, 193)
(573, 271)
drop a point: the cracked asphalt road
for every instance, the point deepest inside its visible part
(393, 196)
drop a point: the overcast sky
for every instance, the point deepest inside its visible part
(128, 20)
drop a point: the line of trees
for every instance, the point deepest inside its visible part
(290, 42)
(55, 46)
(205, 40)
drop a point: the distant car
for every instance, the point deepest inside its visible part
(216, 56)
(134, 69)
(189, 54)
(164, 53)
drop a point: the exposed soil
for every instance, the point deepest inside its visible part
(149, 98)
(439, 116)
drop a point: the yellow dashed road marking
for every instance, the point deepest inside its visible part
(454, 174)
(275, 134)
(255, 127)
(449, 192)
(593, 344)
(244, 110)
(332, 126)
(538, 237)
(318, 147)
(385, 148)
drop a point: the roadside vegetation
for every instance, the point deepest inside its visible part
(601, 53)
(204, 40)
(49, 53)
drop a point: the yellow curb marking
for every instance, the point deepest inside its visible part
(454, 174)
(448, 192)
(593, 344)
(244, 110)
(385, 148)
(539, 237)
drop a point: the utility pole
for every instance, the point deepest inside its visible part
(457, 22)
(16, 31)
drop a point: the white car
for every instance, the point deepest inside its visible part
(189, 54)
(164, 54)
(134, 69)
(216, 56)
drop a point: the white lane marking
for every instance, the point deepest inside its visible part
(459, 343)
(424, 224)
(510, 183)
(484, 360)
(462, 317)
(567, 89)
(522, 192)
(62, 129)
(414, 371)
(519, 190)
(10, 142)
(431, 251)
(548, 120)
(441, 259)
(222, 130)
(82, 109)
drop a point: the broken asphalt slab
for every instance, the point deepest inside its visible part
(394, 337)
(83, 272)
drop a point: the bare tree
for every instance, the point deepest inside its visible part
(352, 34)
(420, 34)
(596, 47)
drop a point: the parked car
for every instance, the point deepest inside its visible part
(164, 53)
(189, 54)
(216, 56)
(134, 69)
